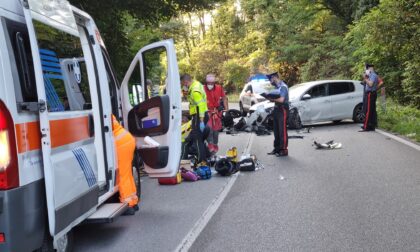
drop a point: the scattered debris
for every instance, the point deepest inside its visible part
(295, 137)
(411, 135)
(328, 145)
(258, 165)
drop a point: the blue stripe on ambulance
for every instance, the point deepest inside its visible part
(85, 165)
(89, 169)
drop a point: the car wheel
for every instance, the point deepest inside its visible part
(358, 115)
(241, 108)
(294, 121)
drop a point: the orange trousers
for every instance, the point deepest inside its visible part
(126, 145)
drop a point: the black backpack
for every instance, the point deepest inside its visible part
(225, 167)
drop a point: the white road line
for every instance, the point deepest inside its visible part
(202, 222)
(399, 139)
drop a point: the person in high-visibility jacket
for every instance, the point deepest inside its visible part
(198, 111)
(125, 144)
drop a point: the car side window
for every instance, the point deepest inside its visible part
(340, 88)
(318, 91)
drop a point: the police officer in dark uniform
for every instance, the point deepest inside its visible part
(372, 80)
(280, 115)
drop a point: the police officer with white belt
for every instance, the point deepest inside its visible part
(280, 115)
(372, 80)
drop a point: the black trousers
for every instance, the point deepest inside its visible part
(196, 138)
(370, 107)
(280, 116)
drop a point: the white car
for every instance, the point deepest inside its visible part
(250, 94)
(321, 101)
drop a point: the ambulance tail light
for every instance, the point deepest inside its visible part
(9, 174)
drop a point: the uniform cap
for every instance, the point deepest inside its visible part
(367, 65)
(269, 76)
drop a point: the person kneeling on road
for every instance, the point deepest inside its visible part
(126, 145)
(280, 115)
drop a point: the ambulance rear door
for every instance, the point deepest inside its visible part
(151, 104)
(63, 63)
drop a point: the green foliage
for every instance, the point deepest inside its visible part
(388, 37)
(235, 75)
(404, 120)
(302, 39)
(111, 18)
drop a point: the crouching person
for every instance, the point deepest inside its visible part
(125, 144)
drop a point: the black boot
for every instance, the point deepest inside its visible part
(282, 153)
(129, 211)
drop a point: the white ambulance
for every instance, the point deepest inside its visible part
(58, 92)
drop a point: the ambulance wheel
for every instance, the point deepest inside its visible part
(138, 164)
(47, 243)
(137, 181)
(64, 244)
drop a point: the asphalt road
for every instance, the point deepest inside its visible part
(167, 214)
(363, 197)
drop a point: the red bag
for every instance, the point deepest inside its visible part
(215, 121)
(171, 181)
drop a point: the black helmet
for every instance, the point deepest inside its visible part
(225, 167)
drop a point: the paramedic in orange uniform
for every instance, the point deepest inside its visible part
(125, 144)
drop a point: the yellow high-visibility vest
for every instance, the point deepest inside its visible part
(197, 101)
(185, 130)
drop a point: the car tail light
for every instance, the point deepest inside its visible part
(9, 174)
(2, 238)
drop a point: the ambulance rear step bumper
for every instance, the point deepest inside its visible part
(107, 213)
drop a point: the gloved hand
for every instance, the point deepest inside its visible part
(202, 126)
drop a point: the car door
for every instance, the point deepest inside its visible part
(65, 80)
(318, 107)
(342, 100)
(157, 117)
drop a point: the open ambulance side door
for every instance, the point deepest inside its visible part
(66, 125)
(157, 112)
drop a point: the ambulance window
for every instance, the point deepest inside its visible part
(112, 82)
(155, 68)
(135, 88)
(64, 69)
(19, 39)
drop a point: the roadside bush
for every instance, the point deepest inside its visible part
(404, 120)
(235, 74)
